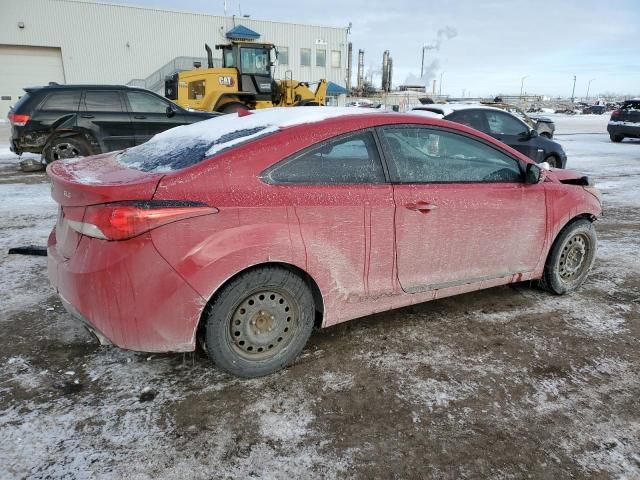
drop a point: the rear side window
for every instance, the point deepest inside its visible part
(350, 159)
(62, 101)
(470, 118)
(102, 101)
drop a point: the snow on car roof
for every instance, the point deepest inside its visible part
(188, 144)
(447, 108)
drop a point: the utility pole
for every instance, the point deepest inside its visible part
(588, 87)
(422, 65)
(573, 92)
(440, 85)
(522, 85)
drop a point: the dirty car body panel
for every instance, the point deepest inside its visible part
(323, 198)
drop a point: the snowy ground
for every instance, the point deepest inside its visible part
(505, 383)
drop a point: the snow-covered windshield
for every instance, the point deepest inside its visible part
(184, 146)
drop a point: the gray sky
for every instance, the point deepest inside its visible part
(486, 47)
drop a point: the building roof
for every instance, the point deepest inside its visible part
(240, 32)
(335, 89)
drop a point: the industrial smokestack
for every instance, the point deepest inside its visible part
(390, 74)
(434, 86)
(360, 70)
(385, 71)
(349, 66)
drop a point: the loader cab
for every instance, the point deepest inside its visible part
(253, 62)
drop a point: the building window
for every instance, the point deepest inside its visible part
(336, 58)
(305, 57)
(283, 55)
(321, 57)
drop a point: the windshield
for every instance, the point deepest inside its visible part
(254, 60)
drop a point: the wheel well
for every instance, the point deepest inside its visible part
(311, 283)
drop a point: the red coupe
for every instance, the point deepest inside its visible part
(244, 231)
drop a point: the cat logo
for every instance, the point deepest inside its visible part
(225, 80)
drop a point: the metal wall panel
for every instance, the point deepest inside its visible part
(106, 43)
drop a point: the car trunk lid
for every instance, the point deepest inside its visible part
(78, 183)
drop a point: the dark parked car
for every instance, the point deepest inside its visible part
(625, 122)
(66, 121)
(503, 126)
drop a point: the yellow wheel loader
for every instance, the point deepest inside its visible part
(244, 81)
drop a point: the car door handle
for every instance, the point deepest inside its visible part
(423, 207)
(140, 117)
(87, 116)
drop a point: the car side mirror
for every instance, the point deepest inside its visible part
(170, 111)
(533, 174)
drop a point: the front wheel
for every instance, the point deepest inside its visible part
(553, 161)
(259, 322)
(571, 258)
(616, 138)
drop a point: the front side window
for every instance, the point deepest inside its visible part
(336, 59)
(102, 101)
(350, 159)
(321, 57)
(254, 60)
(425, 155)
(145, 103)
(504, 124)
(196, 90)
(283, 55)
(62, 102)
(305, 57)
(229, 58)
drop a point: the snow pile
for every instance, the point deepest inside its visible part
(186, 145)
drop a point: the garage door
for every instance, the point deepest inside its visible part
(24, 67)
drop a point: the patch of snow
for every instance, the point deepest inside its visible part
(185, 145)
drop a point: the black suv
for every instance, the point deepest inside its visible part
(65, 121)
(625, 122)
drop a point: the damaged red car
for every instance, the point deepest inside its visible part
(243, 232)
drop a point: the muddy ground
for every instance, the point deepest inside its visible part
(504, 383)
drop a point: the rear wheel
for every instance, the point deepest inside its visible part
(617, 138)
(570, 258)
(259, 322)
(62, 148)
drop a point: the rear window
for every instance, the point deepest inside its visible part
(632, 105)
(21, 104)
(62, 101)
(165, 153)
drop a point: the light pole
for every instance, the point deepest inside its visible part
(573, 92)
(588, 87)
(440, 85)
(422, 64)
(522, 85)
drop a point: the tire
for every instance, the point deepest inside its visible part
(616, 138)
(241, 319)
(61, 148)
(552, 160)
(570, 258)
(233, 107)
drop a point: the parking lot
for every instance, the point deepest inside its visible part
(509, 382)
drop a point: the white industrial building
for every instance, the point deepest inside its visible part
(82, 41)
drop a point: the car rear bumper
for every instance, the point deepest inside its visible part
(630, 129)
(126, 294)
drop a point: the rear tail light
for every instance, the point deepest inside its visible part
(615, 113)
(124, 220)
(17, 119)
